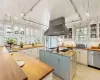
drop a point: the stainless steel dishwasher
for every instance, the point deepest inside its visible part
(94, 59)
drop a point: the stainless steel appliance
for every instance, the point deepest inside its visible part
(94, 59)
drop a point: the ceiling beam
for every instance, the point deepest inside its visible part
(30, 11)
(77, 13)
(46, 25)
(76, 9)
(32, 7)
(35, 22)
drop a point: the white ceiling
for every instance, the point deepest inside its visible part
(47, 10)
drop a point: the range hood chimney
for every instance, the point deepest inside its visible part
(57, 27)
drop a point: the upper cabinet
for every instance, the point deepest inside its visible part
(70, 34)
(16, 30)
(94, 31)
(8, 29)
(81, 34)
(99, 30)
(1, 29)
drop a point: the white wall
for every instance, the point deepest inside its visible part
(70, 43)
(94, 43)
(1, 40)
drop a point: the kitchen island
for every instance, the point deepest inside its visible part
(64, 63)
(32, 70)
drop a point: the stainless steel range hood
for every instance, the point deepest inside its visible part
(57, 27)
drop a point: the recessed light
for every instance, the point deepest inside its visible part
(16, 18)
(12, 22)
(87, 14)
(22, 14)
(8, 15)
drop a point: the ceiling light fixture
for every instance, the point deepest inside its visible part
(22, 14)
(8, 15)
(12, 22)
(87, 14)
(16, 18)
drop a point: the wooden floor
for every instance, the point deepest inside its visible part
(84, 73)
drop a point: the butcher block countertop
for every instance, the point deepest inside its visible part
(9, 70)
(34, 69)
(68, 53)
(92, 49)
(27, 47)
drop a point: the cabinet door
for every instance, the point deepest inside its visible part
(23, 51)
(78, 55)
(42, 56)
(83, 57)
(72, 66)
(34, 53)
(54, 62)
(64, 67)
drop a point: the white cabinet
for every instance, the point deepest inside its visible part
(48, 77)
(81, 56)
(34, 53)
(94, 31)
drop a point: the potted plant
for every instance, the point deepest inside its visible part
(21, 44)
(32, 44)
(10, 42)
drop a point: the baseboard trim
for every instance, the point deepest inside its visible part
(93, 67)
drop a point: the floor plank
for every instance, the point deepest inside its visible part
(84, 73)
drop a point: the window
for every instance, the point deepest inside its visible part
(81, 34)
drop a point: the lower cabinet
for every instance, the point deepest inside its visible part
(31, 52)
(81, 56)
(64, 67)
(48, 77)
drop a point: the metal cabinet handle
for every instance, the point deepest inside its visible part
(58, 60)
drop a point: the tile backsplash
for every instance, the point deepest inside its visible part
(94, 43)
(70, 43)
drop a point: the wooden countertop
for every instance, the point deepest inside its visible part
(27, 47)
(34, 69)
(9, 70)
(92, 49)
(69, 53)
(89, 49)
